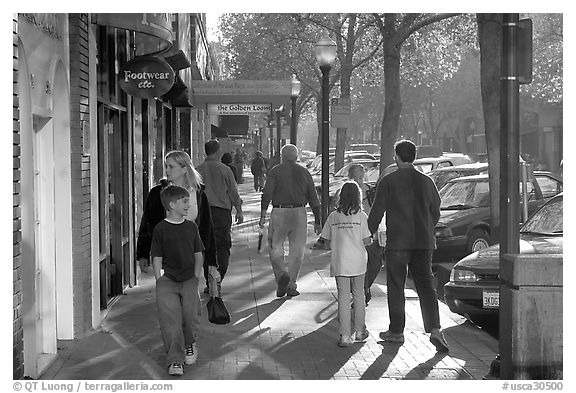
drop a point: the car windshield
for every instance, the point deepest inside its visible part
(424, 167)
(465, 195)
(547, 220)
(443, 177)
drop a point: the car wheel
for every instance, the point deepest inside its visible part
(478, 240)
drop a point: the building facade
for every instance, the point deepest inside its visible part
(85, 154)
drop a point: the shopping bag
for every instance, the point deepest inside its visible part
(217, 311)
(262, 239)
(382, 232)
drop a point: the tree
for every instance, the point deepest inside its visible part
(395, 29)
(490, 42)
(353, 51)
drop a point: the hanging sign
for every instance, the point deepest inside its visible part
(146, 77)
(239, 109)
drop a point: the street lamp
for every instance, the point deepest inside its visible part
(279, 113)
(294, 95)
(325, 55)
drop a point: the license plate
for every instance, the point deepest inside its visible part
(490, 299)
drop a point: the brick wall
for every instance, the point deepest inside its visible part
(18, 333)
(80, 165)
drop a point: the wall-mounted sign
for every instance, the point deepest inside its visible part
(146, 77)
(239, 109)
(242, 87)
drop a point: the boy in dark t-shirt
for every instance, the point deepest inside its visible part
(177, 248)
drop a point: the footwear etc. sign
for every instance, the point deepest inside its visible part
(146, 77)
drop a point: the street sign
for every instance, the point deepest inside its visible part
(340, 113)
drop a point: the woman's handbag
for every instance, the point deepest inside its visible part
(217, 311)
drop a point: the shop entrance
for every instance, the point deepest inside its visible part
(114, 202)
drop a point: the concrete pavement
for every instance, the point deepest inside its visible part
(271, 338)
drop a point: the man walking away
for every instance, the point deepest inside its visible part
(222, 193)
(258, 167)
(290, 187)
(412, 205)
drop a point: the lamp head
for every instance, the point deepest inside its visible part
(295, 87)
(325, 51)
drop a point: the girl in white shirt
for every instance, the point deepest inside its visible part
(347, 230)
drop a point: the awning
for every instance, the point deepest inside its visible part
(153, 31)
(178, 94)
(218, 132)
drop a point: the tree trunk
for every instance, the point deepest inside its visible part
(392, 104)
(490, 40)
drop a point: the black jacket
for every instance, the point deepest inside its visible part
(154, 212)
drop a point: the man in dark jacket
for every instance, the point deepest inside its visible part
(258, 168)
(412, 205)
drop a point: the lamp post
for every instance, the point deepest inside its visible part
(294, 96)
(325, 55)
(279, 112)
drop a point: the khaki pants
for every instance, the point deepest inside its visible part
(287, 223)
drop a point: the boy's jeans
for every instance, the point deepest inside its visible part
(344, 284)
(178, 314)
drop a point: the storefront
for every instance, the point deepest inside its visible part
(45, 202)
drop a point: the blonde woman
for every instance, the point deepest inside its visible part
(180, 172)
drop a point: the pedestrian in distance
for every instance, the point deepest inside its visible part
(412, 206)
(180, 172)
(258, 168)
(347, 230)
(177, 249)
(239, 164)
(290, 188)
(227, 160)
(375, 250)
(222, 193)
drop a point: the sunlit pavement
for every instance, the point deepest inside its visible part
(270, 337)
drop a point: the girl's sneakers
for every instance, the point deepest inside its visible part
(345, 341)
(361, 336)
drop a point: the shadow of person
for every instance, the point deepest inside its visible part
(422, 370)
(315, 355)
(382, 362)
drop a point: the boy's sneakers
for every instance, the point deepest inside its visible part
(438, 340)
(176, 369)
(345, 341)
(361, 336)
(191, 354)
(390, 337)
(282, 285)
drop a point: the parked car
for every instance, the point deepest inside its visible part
(341, 176)
(474, 286)
(428, 164)
(465, 222)
(442, 176)
(371, 148)
(349, 156)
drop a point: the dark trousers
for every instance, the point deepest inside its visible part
(375, 256)
(258, 181)
(420, 264)
(222, 223)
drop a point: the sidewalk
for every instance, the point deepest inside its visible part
(274, 338)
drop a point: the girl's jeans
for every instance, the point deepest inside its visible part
(178, 314)
(345, 285)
